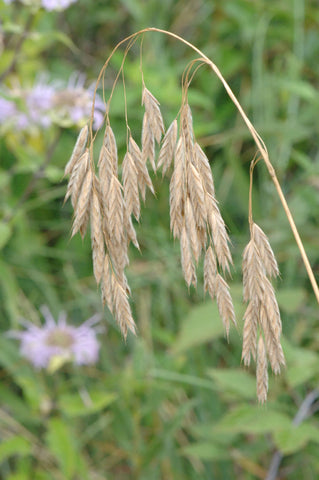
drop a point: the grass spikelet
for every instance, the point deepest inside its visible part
(144, 179)
(114, 211)
(78, 150)
(107, 283)
(204, 169)
(177, 190)
(262, 372)
(210, 272)
(219, 233)
(130, 186)
(265, 251)
(76, 178)
(148, 142)
(97, 239)
(225, 303)
(272, 339)
(168, 147)
(192, 230)
(111, 147)
(250, 333)
(186, 260)
(197, 196)
(154, 116)
(83, 203)
(262, 312)
(122, 310)
(187, 126)
(252, 273)
(202, 236)
(130, 231)
(105, 166)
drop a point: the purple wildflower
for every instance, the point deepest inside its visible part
(75, 102)
(51, 5)
(58, 340)
(56, 4)
(7, 109)
(39, 101)
(47, 102)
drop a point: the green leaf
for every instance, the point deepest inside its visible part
(61, 442)
(72, 405)
(205, 451)
(5, 233)
(293, 438)
(253, 419)
(302, 365)
(234, 381)
(15, 445)
(202, 325)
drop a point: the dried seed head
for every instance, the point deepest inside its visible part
(83, 203)
(204, 169)
(265, 251)
(197, 195)
(219, 234)
(210, 272)
(130, 186)
(78, 150)
(148, 142)
(250, 332)
(111, 147)
(262, 373)
(144, 179)
(192, 230)
(106, 171)
(154, 116)
(77, 176)
(168, 148)
(177, 190)
(122, 309)
(187, 126)
(262, 312)
(187, 261)
(253, 276)
(107, 283)
(224, 302)
(114, 211)
(130, 231)
(97, 239)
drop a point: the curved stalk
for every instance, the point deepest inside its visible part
(258, 140)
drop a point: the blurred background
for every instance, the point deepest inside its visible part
(173, 403)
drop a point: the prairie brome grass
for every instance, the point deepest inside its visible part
(108, 202)
(108, 196)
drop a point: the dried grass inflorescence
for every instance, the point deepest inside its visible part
(108, 197)
(108, 202)
(262, 327)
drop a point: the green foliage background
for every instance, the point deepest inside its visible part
(173, 403)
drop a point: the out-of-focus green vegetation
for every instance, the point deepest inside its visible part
(173, 403)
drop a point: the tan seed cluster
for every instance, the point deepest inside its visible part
(195, 217)
(108, 202)
(262, 327)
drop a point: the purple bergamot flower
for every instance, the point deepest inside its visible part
(49, 5)
(56, 4)
(74, 102)
(58, 341)
(7, 109)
